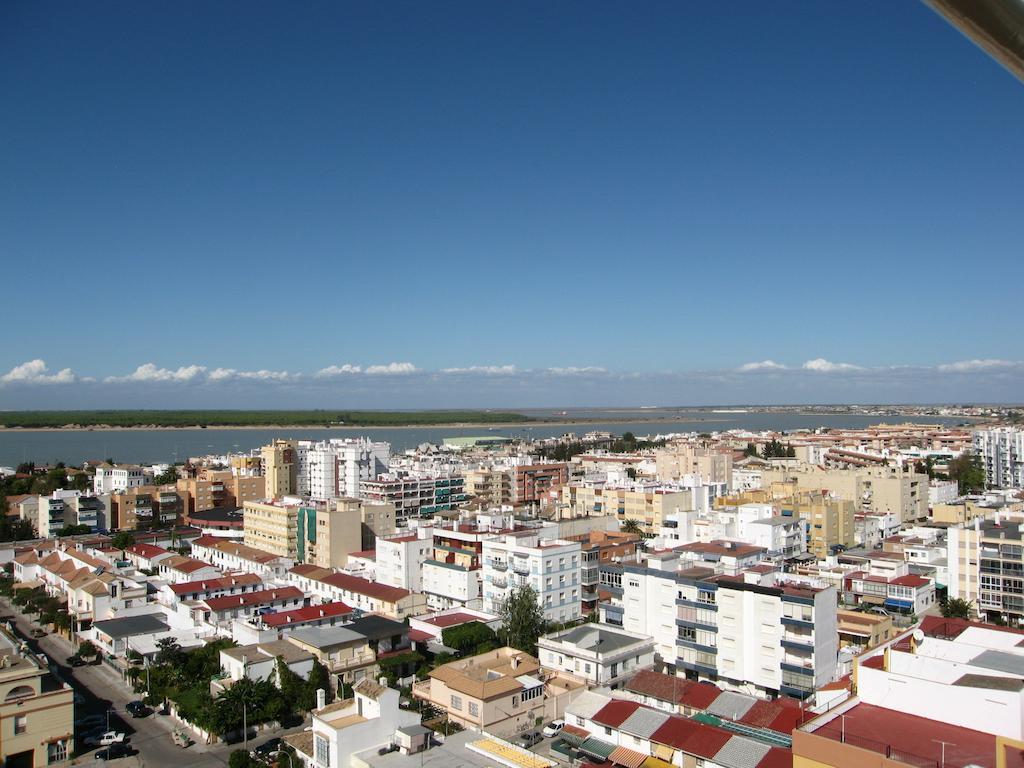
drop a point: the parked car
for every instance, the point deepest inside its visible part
(267, 749)
(113, 752)
(528, 739)
(76, 661)
(106, 739)
(554, 728)
(181, 738)
(136, 708)
(39, 632)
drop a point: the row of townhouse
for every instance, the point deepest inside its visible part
(229, 555)
(362, 594)
(90, 587)
(628, 733)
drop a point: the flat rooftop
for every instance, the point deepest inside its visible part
(917, 738)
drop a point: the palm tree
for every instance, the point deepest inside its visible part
(632, 526)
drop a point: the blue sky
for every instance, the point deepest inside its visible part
(570, 203)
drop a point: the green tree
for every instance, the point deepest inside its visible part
(74, 530)
(165, 478)
(87, 650)
(750, 450)
(318, 678)
(956, 608)
(522, 619)
(467, 638)
(122, 540)
(632, 526)
(292, 686)
(240, 758)
(968, 472)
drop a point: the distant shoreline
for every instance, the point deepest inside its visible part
(489, 426)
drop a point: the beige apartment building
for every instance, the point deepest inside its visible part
(888, 490)
(146, 506)
(37, 712)
(280, 467)
(272, 527)
(498, 692)
(351, 525)
(680, 459)
(830, 520)
(647, 507)
(958, 513)
(490, 486)
(219, 489)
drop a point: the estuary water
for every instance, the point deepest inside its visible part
(159, 445)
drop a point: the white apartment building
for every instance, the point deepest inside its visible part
(400, 559)
(759, 632)
(330, 469)
(596, 654)
(942, 492)
(64, 507)
(1002, 454)
(116, 479)
(551, 567)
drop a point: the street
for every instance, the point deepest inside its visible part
(99, 691)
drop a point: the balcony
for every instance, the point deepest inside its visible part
(795, 642)
(500, 582)
(355, 661)
(521, 566)
(498, 565)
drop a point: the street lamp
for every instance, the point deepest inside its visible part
(286, 754)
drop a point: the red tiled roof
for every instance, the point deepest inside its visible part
(615, 712)
(147, 550)
(777, 757)
(575, 730)
(419, 636)
(206, 541)
(691, 736)
(253, 598)
(302, 569)
(365, 554)
(307, 614)
(910, 580)
(187, 565)
(212, 585)
(936, 626)
(690, 693)
(363, 587)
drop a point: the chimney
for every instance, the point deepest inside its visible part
(515, 662)
(321, 698)
(383, 681)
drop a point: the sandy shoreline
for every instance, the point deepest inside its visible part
(526, 425)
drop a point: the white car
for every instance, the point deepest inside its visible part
(554, 728)
(106, 739)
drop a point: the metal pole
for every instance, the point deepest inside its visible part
(245, 728)
(288, 755)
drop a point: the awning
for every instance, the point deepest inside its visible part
(573, 736)
(898, 603)
(654, 762)
(627, 757)
(597, 748)
(663, 752)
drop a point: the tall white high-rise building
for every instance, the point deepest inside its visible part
(1002, 454)
(329, 469)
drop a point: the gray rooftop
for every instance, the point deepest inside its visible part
(129, 626)
(587, 704)
(778, 520)
(325, 637)
(593, 637)
(991, 682)
(1000, 661)
(731, 705)
(740, 752)
(644, 722)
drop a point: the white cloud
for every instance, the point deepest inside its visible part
(763, 365)
(966, 366)
(338, 370)
(822, 365)
(36, 372)
(488, 370)
(573, 370)
(228, 374)
(149, 372)
(391, 369)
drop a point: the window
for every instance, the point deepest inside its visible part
(474, 709)
(322, 750)
(533, 693)
(57, 752)
(456, 702)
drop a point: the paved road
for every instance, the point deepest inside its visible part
(100, 692)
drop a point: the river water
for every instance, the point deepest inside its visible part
(160, 445)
